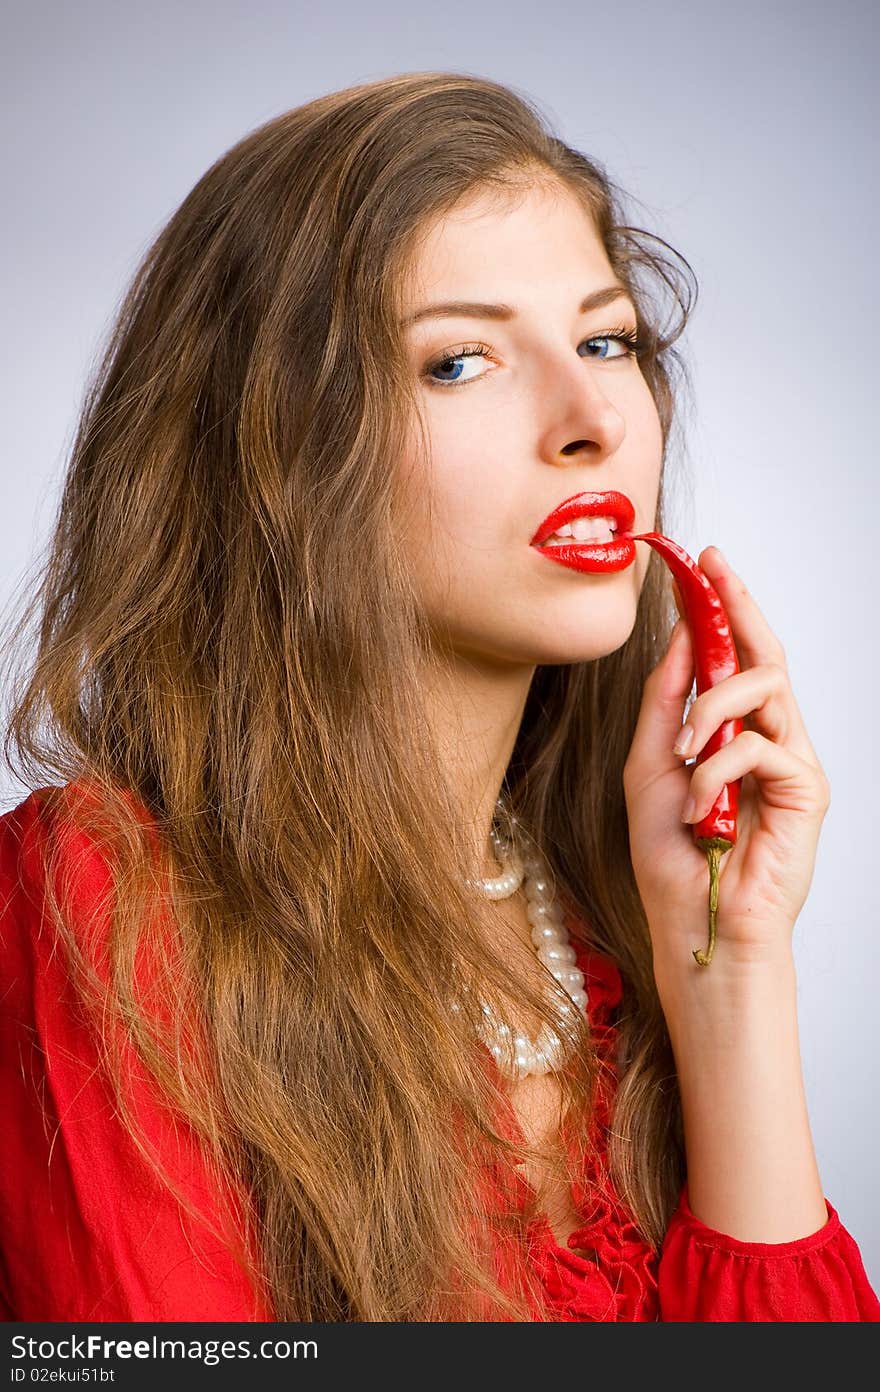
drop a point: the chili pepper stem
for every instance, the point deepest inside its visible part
(714, 846)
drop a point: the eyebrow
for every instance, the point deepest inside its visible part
(469, 309)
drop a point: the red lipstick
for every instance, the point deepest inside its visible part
(594, 557)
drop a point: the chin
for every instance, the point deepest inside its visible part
(564, 650)
(589, 629)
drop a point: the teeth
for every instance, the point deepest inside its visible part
(584, 529)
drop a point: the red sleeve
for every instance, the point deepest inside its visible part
(706, 1275)
(87, 1229)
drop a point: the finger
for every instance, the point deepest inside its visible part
(758, 692)
(663, 699)
(755, 640)
(785, 780)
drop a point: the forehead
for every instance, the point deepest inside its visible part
(542, 233)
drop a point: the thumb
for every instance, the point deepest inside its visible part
(663, 701)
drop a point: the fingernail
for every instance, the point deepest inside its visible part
(683, 743)
(690, 808)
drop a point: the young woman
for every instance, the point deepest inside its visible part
(353, 782)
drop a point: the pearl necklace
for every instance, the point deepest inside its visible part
(515, 1053)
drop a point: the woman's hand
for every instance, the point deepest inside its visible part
(765, 878)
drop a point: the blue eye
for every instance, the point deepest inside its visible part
(480, 350)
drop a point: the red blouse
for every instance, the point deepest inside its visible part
(88, 1232)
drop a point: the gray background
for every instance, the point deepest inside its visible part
(746, 134)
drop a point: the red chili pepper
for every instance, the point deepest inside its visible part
(715, 658)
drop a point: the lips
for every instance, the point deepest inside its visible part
(612, 504)
(591, 557)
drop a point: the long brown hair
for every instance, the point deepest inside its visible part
(207, 653)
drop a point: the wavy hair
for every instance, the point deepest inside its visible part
(209, 664)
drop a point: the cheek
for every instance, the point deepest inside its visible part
(465, 494)
(452, 528)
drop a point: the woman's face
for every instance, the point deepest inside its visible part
(552, 408)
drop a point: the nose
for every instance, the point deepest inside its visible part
(583, 423)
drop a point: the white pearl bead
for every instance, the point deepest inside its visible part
(543, 912)
(557, 952)
(553, 1052)
(572, 978)
(538, 888)
(546, 1039)
(516, 1055)
(546, 932)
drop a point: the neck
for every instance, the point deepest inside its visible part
(475, 709)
